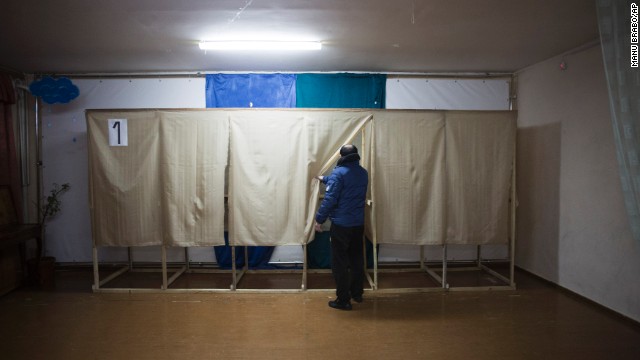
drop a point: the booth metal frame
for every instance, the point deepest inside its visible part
(370, 274)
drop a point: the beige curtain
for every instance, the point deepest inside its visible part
(193, 160)
(124, 181)
(166, 187)
(408, 181)
(480, 148)
(274, 156)
(435, 177)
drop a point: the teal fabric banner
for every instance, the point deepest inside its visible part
(343, 90)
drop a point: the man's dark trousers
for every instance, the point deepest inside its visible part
(347, 261)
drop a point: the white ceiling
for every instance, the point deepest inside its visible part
(407, 36)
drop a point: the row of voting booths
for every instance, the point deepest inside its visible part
(180, 178)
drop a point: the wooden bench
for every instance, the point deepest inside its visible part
(13, 236)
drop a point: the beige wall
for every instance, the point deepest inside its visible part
(572, 224)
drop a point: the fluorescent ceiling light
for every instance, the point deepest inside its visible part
(260, 45)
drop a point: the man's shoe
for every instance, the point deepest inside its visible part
(340, 306)
(357, 299)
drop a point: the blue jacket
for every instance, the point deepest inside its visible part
(346, 193)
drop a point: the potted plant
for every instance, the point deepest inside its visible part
(43, 267)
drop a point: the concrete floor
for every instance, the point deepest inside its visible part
(537, 321)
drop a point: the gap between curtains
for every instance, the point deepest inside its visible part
(249, 91)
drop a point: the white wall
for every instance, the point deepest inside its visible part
(65, 156)
(571, 220)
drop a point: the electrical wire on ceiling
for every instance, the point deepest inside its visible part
(413, 12)
(246, 5)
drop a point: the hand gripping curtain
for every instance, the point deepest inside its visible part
(249, 91)
(623, 78)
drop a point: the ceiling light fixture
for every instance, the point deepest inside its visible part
(260, 45)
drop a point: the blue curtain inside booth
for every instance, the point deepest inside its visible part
(251, 90)
(259, 256)
(614, 21)
(244, 91)
(343, 90)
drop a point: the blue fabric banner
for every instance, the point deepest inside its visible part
(251, 90)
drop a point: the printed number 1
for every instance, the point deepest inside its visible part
(118, 134)
(117, 125)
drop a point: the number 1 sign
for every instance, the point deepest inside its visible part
(118, 135)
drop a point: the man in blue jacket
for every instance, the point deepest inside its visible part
(344, 203)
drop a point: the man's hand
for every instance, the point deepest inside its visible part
(318, 227)
(319, 177)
